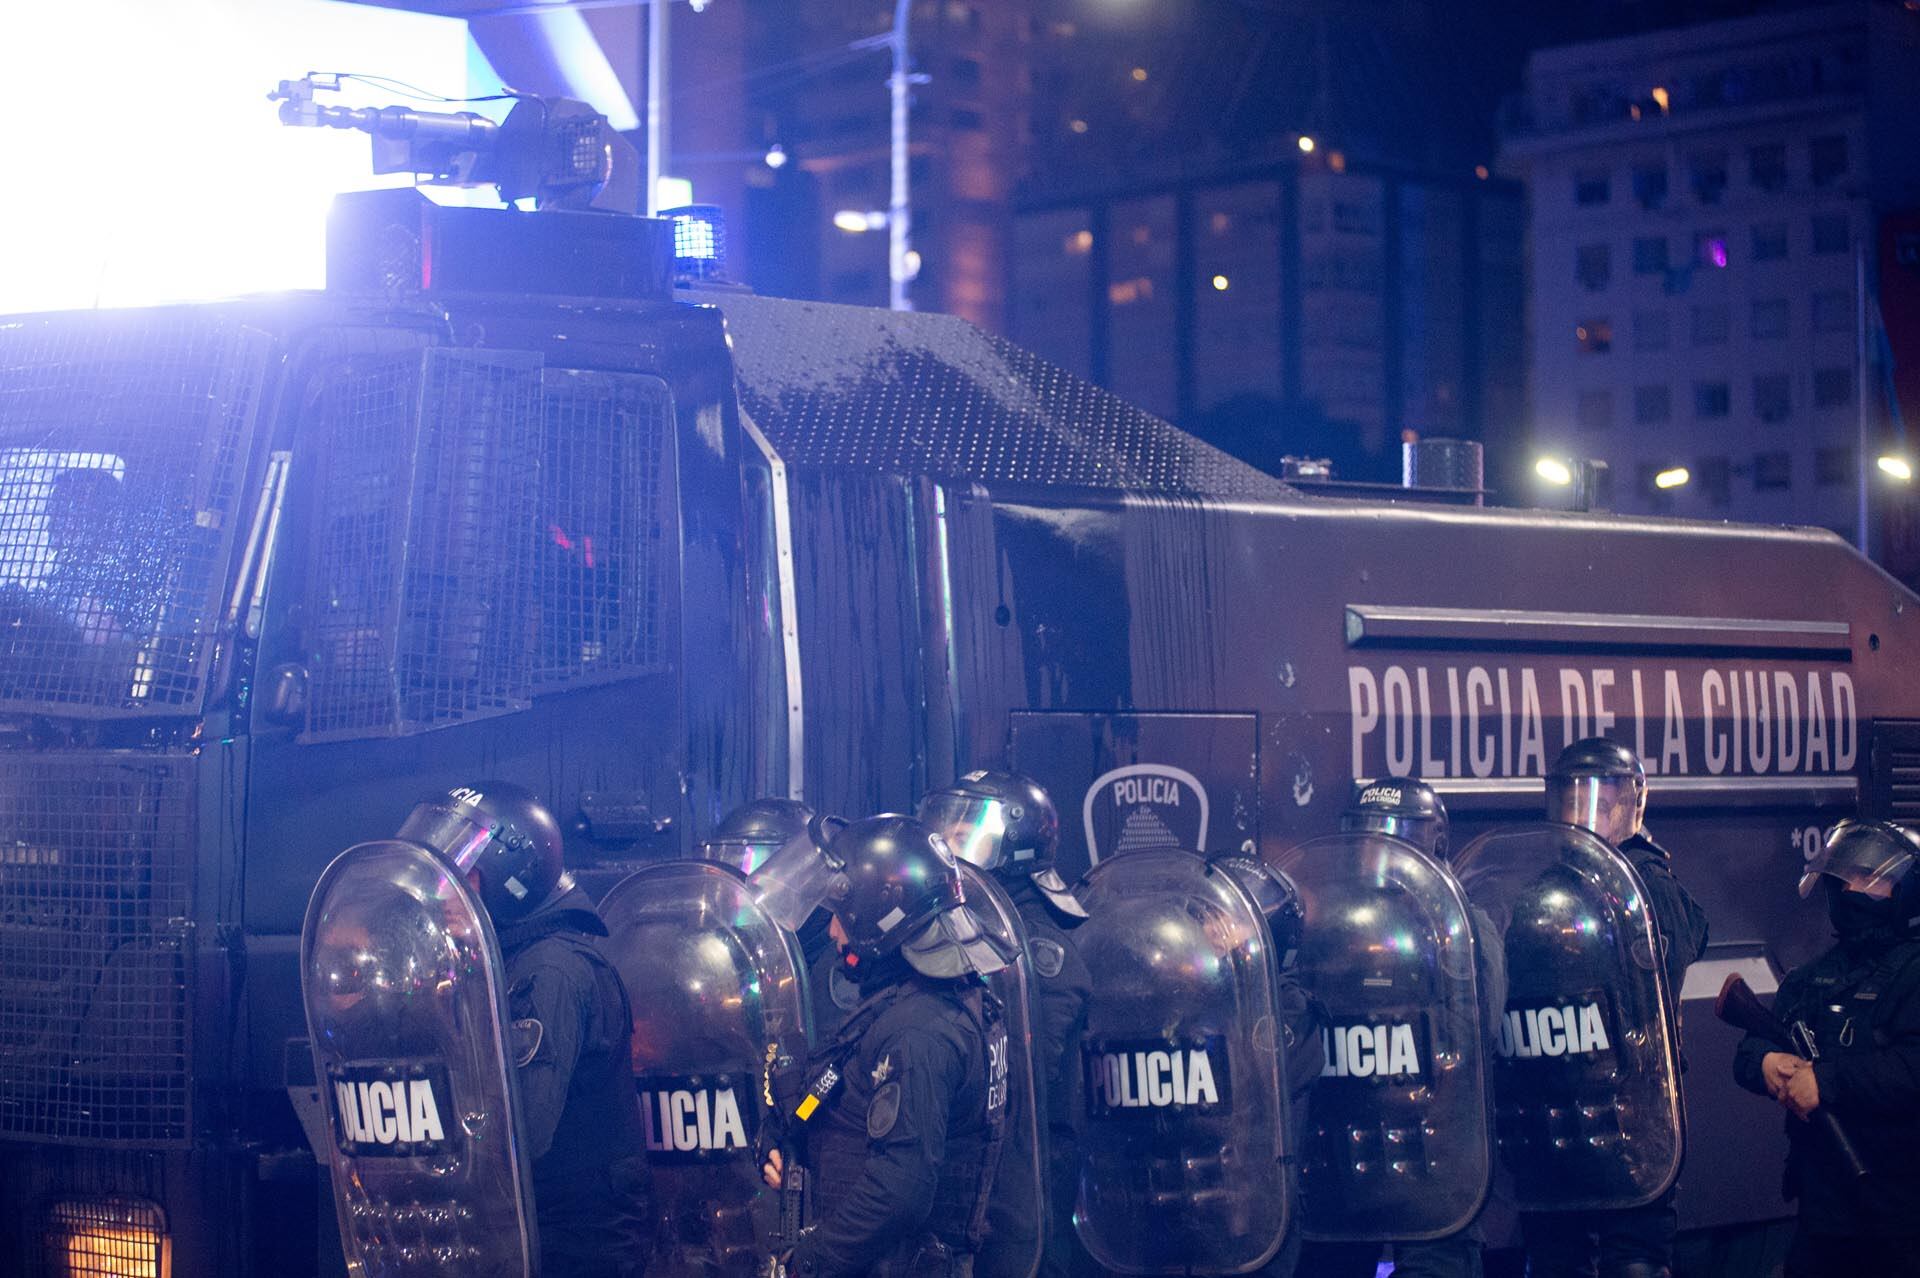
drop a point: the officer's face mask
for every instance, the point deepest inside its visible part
(1855, 915)
(1608, 806)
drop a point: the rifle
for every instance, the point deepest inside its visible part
(1741, 1008)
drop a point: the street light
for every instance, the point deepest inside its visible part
(856, 221)
(1897, 466)
(1672, 477)
(1554, 471)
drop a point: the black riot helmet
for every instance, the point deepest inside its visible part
(1598, 785)
(1005, 823)
(1277, 898)
(1873, 862)
(899, 890)
(1403, 808)
(751, 833)
(501, 837)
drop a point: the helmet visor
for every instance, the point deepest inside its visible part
(1421, 831)
(795, 880)
(973, 827)
(1608, 806)
(454, 832)
(744, 855)
(1862, 859)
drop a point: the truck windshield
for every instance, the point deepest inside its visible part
(123, 440)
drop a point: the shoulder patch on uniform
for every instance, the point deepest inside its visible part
(526, 1034)
(883, 1111)
(841, 989)
(1049, 956)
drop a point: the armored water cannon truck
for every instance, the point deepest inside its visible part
(502, 501)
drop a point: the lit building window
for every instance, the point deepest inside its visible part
(1710, 249)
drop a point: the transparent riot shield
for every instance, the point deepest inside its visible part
(406, 1004)
(1186, 1121)
(1017, 1211)
(1400, 1141)
(720, 1010)
(1586, 1073)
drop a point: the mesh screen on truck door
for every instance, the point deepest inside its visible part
(484, 528)
(420, 562)
(603, 567)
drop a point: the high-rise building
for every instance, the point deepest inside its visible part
(1703, 207)
(1310, 304)
(1274, 224)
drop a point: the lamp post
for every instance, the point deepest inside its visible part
(900, 269)
(899, 205)
(657, 100)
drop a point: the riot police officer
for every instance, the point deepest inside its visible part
(1599, 785)
(1861, 1001)
(767, 840)
(903, 1114)
(1006, 824)
(570, 1028)
(1302, 1017)
(1409, 809)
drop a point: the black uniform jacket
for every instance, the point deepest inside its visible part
(1062, 985)
(570, 1037)
(897, 1149)
(1679, 918)
(1869, 1077)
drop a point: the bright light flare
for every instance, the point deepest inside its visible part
(150, 167)
(1898, 467)
(855, 221)
(1554, 471)
(1673, 477)
(1221, 283)
(1306, 145)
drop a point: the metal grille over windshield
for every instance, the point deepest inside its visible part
(95, 889)
(123, 443)
(423, 558)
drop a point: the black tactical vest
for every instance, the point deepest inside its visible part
(965, 1016)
